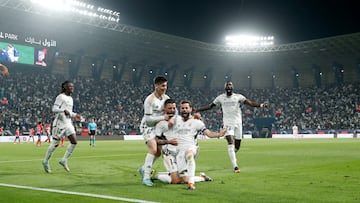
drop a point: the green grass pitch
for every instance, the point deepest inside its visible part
(272, 170)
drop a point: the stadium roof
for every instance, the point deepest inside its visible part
(116, 41)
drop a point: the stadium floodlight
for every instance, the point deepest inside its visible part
(80, 8)
(249, 40)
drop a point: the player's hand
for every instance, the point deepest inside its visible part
(222, 132)
(197, 116)
(173, 141)
(78, 117)
(171, 122)
(264, 105)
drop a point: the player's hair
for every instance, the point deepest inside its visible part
(159, 80)
(169, 101)
(186, 102)
(64, 84)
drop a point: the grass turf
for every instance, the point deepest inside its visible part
(272, 170)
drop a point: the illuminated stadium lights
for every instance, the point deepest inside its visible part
(80, 8)
(250, 41)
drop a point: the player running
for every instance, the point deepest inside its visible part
(231, 103)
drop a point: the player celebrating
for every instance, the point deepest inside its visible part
(153, 113)
(62, 125)
(174, 152)
(230, 103)
(186, 130)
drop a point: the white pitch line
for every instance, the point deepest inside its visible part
(73, 157)
(77, 193)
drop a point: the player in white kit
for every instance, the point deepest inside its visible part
(186, 129)
(153, 113)
(167, 137)
(62, 125)
(230, 104)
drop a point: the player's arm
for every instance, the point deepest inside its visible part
(255, 104)
(58, 107)
(204, 108)
(213, 134)
(163, 141)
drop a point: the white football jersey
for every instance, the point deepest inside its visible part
(231, 107)
(187, 131)
(153, 107)
(162, 128)
(63, 102)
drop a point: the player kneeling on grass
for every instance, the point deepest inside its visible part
(181, 157)
(62, 125)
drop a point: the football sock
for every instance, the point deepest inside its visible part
(191, 167)
(232, 155)
(199, 179)
(69, 151)
(149, 160)
(164, 178)
(49, 152)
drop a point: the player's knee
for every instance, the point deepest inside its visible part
(229, 139)
(158, 153)
(189, 157)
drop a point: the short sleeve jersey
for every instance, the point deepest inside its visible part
(153, 106)
(62, 102)
(231, 107)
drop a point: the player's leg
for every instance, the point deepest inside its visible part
(53, 145)
(149, 160)
(171, 176)
(238, 136)
(38, 142)
(231, 147)
(191, 166)
(91, 137)
(93, 140)
(70, 132)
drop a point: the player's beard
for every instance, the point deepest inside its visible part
(228, 91)
(185, 115)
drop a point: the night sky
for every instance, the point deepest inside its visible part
(210, 21)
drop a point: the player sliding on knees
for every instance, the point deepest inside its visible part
(180, 146)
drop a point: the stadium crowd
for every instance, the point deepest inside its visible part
(117, 106)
